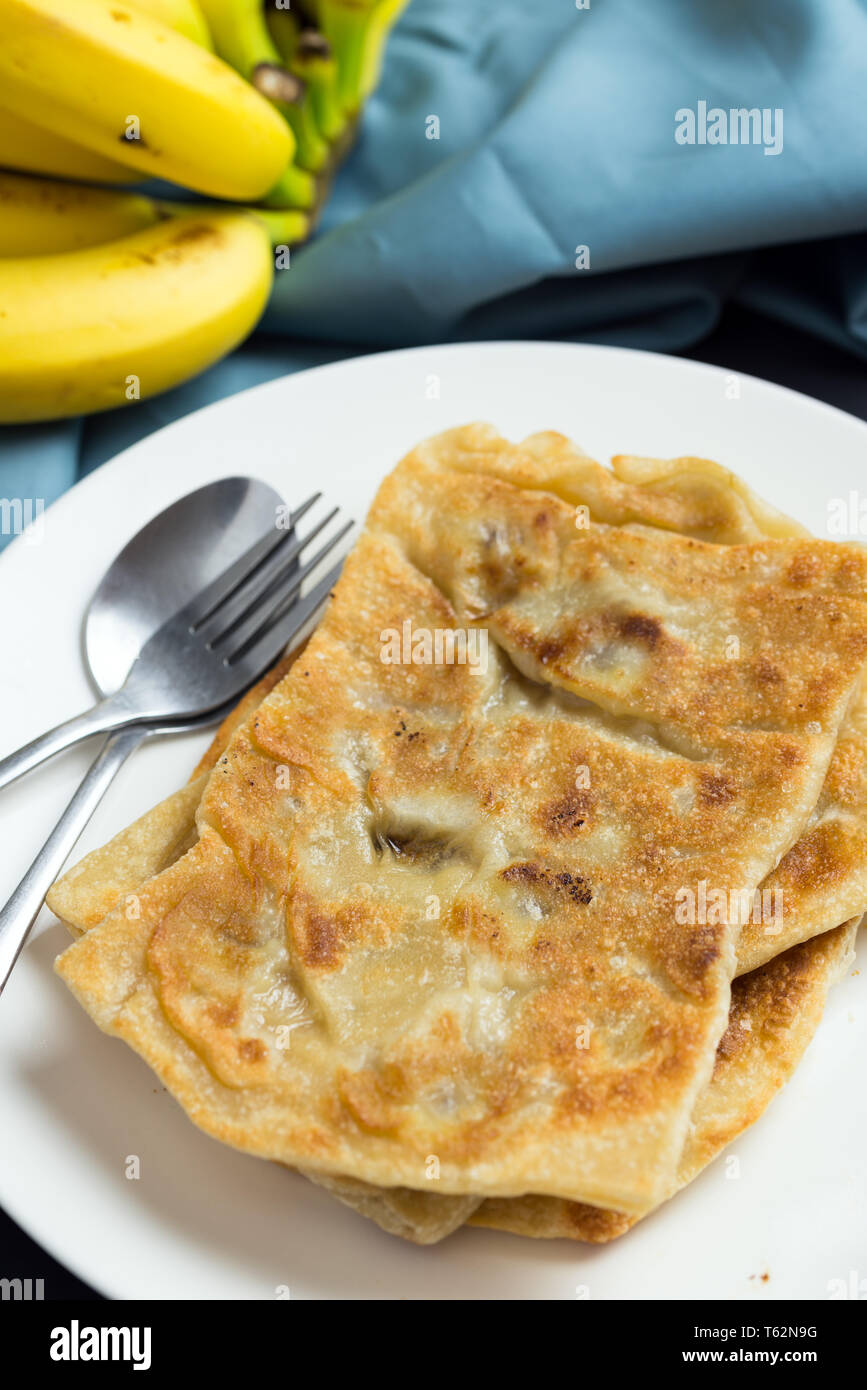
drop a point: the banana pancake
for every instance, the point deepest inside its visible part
(667, 732)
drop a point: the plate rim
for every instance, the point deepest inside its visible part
(485, 345)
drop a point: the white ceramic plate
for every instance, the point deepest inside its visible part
(205, 1222)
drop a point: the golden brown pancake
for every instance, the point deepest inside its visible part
(286, 977)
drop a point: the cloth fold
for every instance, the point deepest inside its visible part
(555, 131)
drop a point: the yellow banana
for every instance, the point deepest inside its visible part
(90, 330)
(39, 217)
(184, 16)
(241, 37)
(26, 146)
(357, 31)
(100, 71)
(38, 151)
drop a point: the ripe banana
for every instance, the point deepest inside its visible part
(26, 146)
(357, 31)
(100, 71)
(38, 151)
(185, 16)
(39, 217)
(284, 227)
(241, 37)
(307, 54)
(93, 329)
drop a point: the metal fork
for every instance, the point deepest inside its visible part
(213, 649)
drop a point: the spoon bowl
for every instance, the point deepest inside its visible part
(170, 560)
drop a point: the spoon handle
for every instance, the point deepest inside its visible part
(104, 716)
(22, 909)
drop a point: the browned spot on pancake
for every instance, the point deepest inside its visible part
(366, 1098)
(732, 1042)
(817, 860)
(520, 873)
(468, 920)
(845, 778)
(850, 573)
(704, 948)
(715, 789)
(240, 930)
(567, 815)
(640, 626)
(766, 673)
(575, 886)
(789, 754)
(542, 520)
(818, 690)
(803, 569)
(322, 943)
(223, 1015)
(768, 1001)
(550, 649)
(251, 1050)
(690, 961)
(595, 1224)
(544, 949)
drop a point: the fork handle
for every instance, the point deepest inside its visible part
(105, 716)
(22, 909)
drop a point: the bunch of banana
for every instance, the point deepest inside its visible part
(109, 295)
(317, 61)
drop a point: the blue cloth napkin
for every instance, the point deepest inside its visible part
(546, 169)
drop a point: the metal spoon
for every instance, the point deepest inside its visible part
(167, 563)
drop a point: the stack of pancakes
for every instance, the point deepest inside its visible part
(526, 942)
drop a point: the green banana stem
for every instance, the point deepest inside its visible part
(358, 31)
(307, 54)
(285, 227)
(241, 38)
(295, 188)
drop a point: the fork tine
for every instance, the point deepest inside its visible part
(200, 608)
(268, 644)
(257, 623)
(269, 577)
